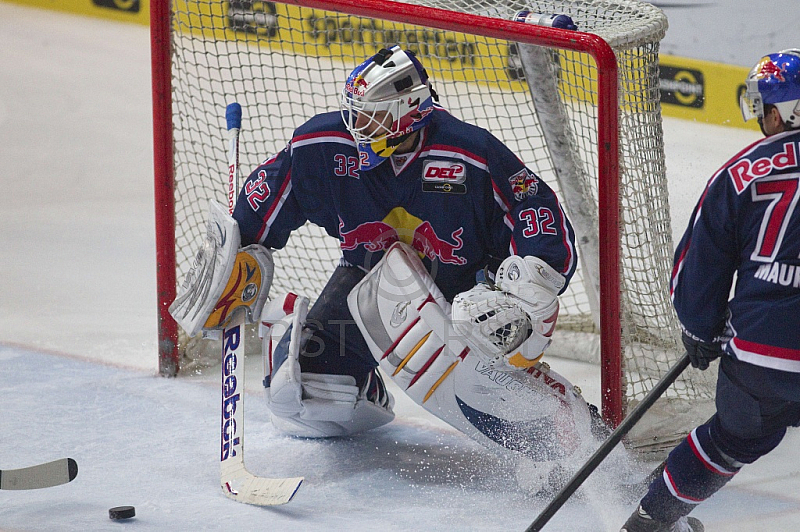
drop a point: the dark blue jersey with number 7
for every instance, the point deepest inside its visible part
(746, 226)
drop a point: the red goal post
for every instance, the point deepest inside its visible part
(167, 23)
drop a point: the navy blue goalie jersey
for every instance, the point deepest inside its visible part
(462, 199)
(746, 226)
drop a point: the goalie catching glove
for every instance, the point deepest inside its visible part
(224, 279)
(511, 323)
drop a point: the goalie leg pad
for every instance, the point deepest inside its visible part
(405, 321)
(284, 389)
(332, 405)
(312, 404)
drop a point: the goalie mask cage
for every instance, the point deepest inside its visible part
(581, 108)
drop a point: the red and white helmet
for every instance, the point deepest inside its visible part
(386, 98)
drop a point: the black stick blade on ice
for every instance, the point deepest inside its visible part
(45, 475)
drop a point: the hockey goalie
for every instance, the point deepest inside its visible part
(422, 204)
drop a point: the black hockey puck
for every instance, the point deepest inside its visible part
(121, 512)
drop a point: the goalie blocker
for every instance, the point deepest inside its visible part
(223, 280)
(405, 321)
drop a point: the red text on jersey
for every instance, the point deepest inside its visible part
(745, 170)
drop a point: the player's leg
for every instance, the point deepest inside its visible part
(322, 381)
(751, 420)
(336, 346)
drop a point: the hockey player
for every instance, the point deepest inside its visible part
(746, 225)
(421, 202)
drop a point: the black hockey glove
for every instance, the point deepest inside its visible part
(700, 353)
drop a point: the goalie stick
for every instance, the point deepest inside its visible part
(236, 481)
(39, 476)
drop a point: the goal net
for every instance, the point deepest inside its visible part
(285, 62)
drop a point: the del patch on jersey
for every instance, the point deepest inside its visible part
(444, 176)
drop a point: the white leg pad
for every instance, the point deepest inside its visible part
(285, 393)
(405, 321)
(332, 405)
(314, 405)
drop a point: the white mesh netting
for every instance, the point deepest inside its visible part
(285, 63)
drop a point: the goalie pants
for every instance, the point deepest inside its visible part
(336, 346)
(755, 405)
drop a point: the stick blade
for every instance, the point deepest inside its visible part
(250, 489)
(39, 476)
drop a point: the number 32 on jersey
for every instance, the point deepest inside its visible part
(539, 221)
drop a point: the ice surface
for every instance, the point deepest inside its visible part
(78, 339)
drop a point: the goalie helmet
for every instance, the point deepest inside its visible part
(774, 80)
(385, 99)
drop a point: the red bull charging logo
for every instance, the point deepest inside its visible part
(357, 86)
(770, 69)
(399, 225)
(523, 184)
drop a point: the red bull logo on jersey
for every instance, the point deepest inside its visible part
(770, 69)
(744, 171)
(429, 244)
(374, 236)
(523, 184)
(401, 226)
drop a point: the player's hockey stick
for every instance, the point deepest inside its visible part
(641, 487)
(605, 449)
(236, 481)
(45, 475)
